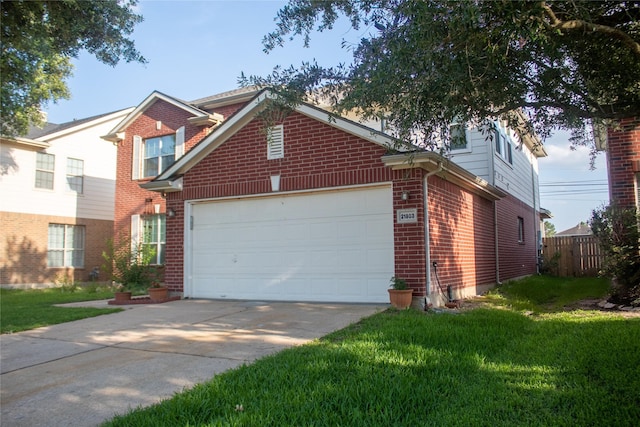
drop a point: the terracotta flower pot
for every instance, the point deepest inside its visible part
(400, 299)
(158, 294)
(122, 296)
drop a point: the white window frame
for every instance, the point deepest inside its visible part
(275, 142)
(70, 253)
(137, 167)
(503, 146)
(140, 236)
(467, 137)
(73, 178)
(40, 170)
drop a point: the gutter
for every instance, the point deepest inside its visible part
(163, 186)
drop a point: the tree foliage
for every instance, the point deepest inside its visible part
(549, 229)
(39, 38)
(617, 232)
(427, 63)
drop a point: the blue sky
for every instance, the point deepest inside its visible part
(199, 48)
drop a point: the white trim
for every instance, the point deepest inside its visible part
(293, 192)
(85, 125)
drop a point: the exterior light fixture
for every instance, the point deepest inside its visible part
(405, 195)
(171, 213)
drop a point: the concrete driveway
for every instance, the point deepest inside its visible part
(82, 373)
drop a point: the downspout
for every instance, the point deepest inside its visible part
(425, 191)
(492, 174)
(536, 218)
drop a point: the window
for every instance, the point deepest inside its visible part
(520, 229)
(458, 136)
(45, 164)
(152, 156)
(503, 146)
(66, 246)
(153, 236)
(159, 153)
(75, 175)
(275, 142)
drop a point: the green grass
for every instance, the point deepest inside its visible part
(485, 367)
(21, 310)
(545, 294)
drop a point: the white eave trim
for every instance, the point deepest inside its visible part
(26, 142)
(446, 170)
(206, 120)
(116, 138)
(163, 186)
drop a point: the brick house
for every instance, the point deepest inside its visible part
(312, 208)
(57, 204)
(623, 162)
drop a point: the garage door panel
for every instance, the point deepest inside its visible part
(327, 246)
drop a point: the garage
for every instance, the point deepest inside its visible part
(334, 246)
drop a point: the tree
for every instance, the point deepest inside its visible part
(549, 229)
(425, 64)
(39, 38)
(618, 234)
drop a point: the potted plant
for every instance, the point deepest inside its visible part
(158, 292)
(400, 294)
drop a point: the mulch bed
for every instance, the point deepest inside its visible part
(144, 300)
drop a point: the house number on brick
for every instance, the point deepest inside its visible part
(404, 216)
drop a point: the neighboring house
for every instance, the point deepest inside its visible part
(623, 162)
(57, 189)
(311, 209)
(581, 229)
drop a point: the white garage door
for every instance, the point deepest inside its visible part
(324, 246)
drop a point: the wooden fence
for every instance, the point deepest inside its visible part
(572, 256)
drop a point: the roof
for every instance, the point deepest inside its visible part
(581, 229)
(171, 179)
(226, 98)
(115, 135)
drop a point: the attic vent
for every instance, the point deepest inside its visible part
(275, 142)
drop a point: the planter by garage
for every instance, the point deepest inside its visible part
(122, 296)
(158, 294)
(400, 298)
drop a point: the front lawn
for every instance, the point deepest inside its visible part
(24, 309)
(488, 366)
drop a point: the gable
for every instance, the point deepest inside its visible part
(246, 114)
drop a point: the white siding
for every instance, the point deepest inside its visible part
(17, 174)
(519, 179)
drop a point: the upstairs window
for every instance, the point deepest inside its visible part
(45, 164)
(65, 246)
(151, 156)
(75, 175)
(458, 138)
(159, 153)
(275, 142)
(503, 146)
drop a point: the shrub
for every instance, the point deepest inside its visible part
(617, 232)
(130, 264)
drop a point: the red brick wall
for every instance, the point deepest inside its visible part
(623, 154)
(516, 259)
(130, 198)
(461, 236)
(23, 248)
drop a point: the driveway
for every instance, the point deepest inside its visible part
(82, 373)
